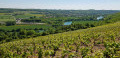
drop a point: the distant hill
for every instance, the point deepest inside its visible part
(61, 12)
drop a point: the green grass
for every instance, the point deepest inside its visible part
(94, 42)
(84, 22)
(23, 16)
(4, 18)
(28, 15)
(37, 15)
(3, 13)
(9, 28)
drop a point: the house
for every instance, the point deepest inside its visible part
(18, 21)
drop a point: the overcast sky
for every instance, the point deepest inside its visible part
(62, 4)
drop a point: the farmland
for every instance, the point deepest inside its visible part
(5, 18)
(28, 15)
(39, 33)
(93, 42)
(21, 22)
(10, 28)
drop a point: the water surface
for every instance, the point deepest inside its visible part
(100, 17)
(68, 23)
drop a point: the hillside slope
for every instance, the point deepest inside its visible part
(101, 41)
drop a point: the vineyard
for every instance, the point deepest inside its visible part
(97, 42)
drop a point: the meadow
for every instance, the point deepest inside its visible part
(15, 27)
(84, 22)
(28, 15)
(5, 18)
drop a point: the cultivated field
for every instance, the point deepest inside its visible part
(97, 42)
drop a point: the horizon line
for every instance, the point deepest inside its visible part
(56, 9)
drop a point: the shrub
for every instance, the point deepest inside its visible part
(9, 23)
(40, 53)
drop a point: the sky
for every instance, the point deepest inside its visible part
(62, 4)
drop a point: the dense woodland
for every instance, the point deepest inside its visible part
(86, 37)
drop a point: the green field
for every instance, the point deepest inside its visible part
(9, 28)
(22, 14)
(84, 22)
(5, 18)
(97, 42)
(28, 15)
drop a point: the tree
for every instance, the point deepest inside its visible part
(31, 33)
(15, 35)
(88, 25)
(9, 23)
(92, 25)
(51, 30)
(2, 36)
(45, 33)
(23, 33)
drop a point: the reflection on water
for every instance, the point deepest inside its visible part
(39, 31)
(68, 23)
(100, 17)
